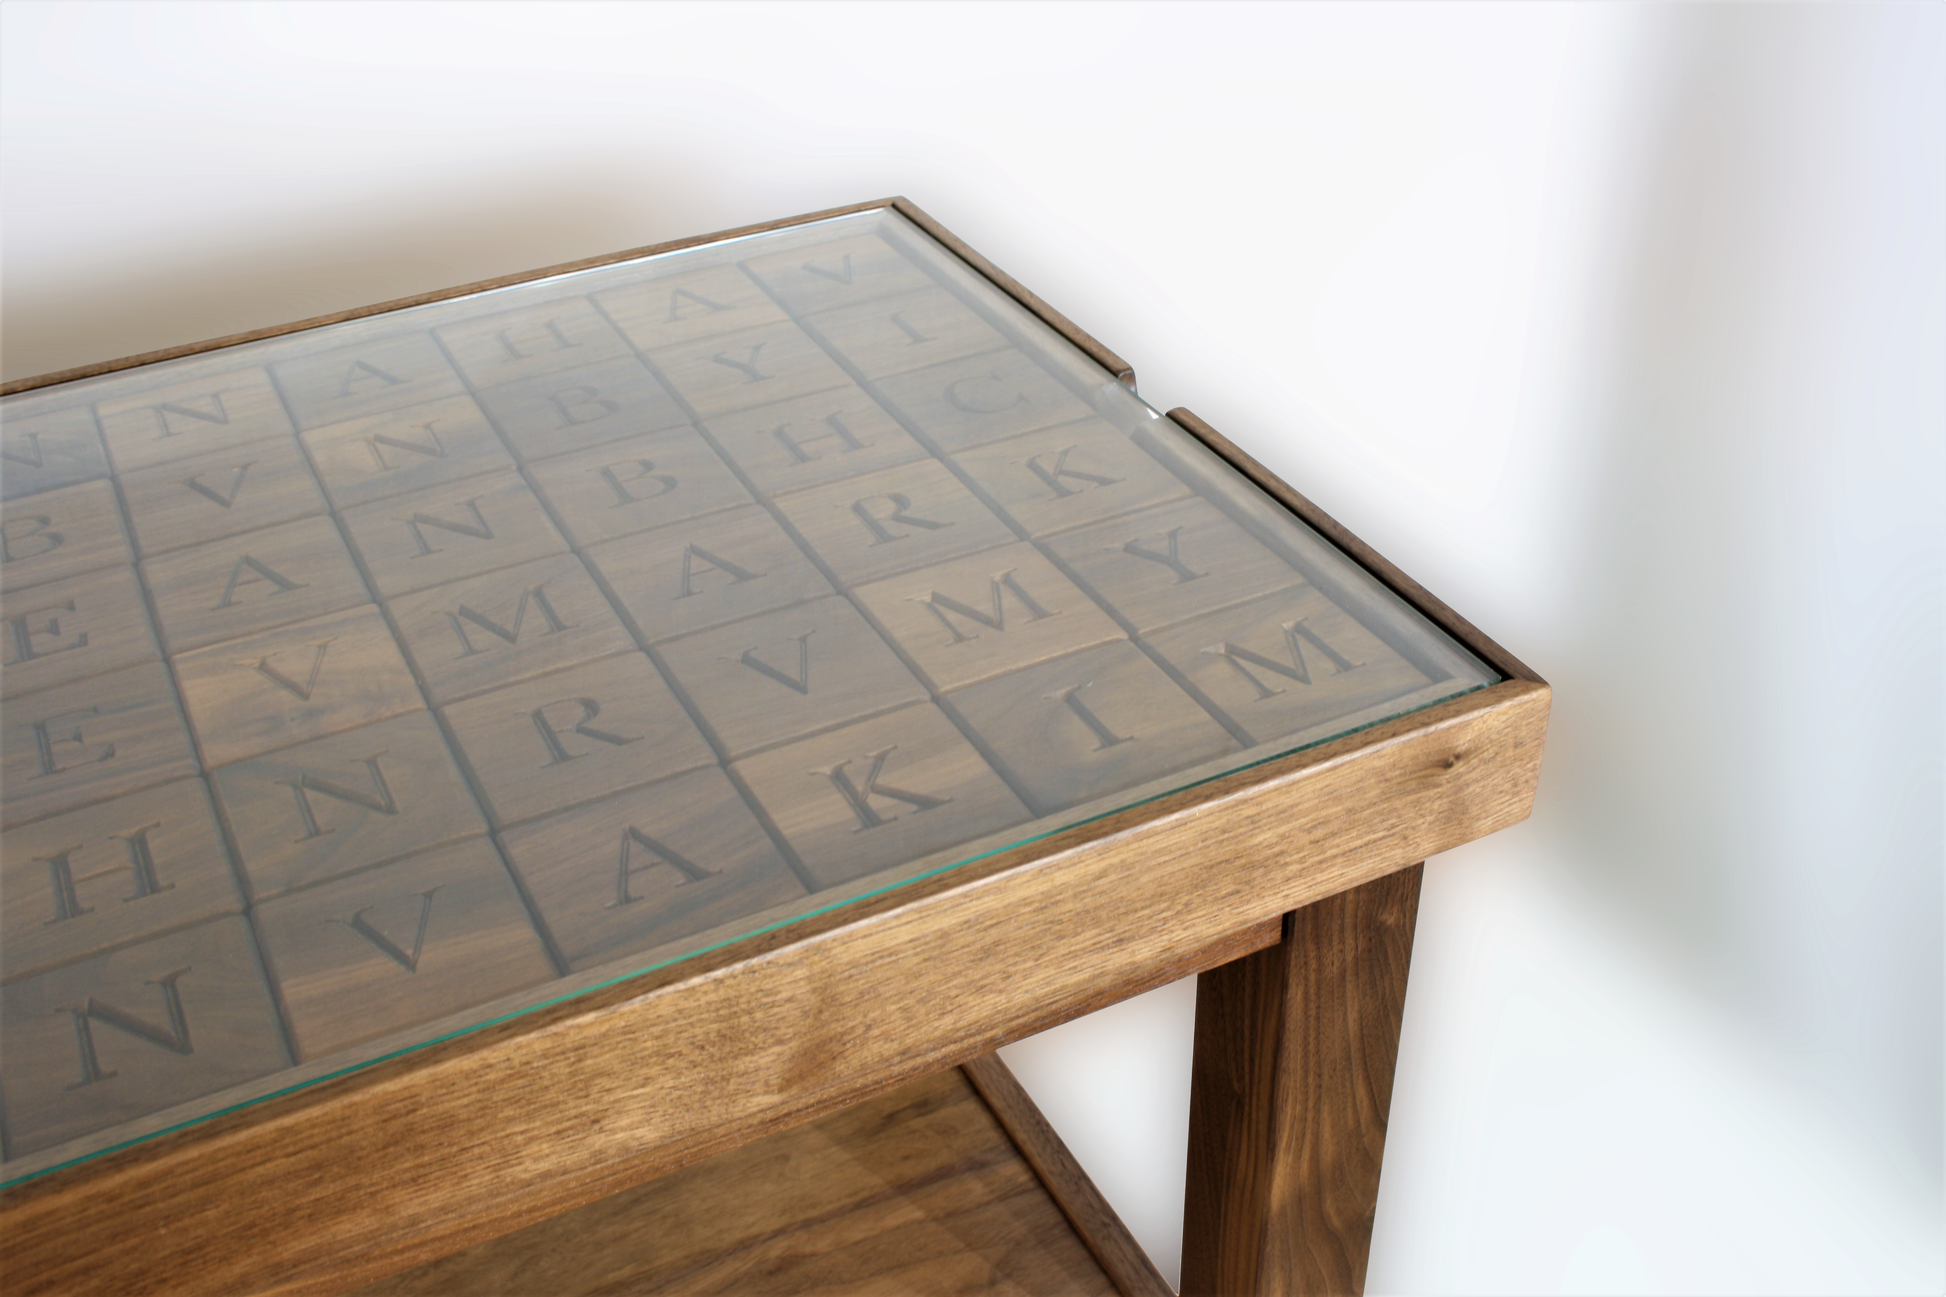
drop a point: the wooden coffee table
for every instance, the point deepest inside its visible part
(473, 756)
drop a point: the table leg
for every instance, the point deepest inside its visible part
(1292, 1080)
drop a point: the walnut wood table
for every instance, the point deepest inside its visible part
(472, 756)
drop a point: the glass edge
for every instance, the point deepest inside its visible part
(617, 979)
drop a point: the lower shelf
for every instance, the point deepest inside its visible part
(918, 1190)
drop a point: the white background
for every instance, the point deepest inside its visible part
(1623, 329)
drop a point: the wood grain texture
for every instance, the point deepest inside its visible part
(1291, 1085)
(1093, 1219)
(400, 945)
(1364, 555)
(61, 533)
(872, 526)
(404, 1162)
(772, 678)
(973, 618)
(913, 1191)
(1012, 287)
(1088, 724)
(1067, 476)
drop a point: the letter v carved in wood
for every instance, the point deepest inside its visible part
(391, 949)
(263, 668)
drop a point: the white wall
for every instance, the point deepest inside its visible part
(1623, 329)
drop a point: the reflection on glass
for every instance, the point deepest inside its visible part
(373, 682)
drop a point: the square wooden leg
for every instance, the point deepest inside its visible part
(1292, 1080)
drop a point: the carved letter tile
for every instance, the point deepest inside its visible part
(386, 373)
(649, 867)
(680, 308)
(510, 346)
(893, 520)
(840, 273)
(1089, 724)
(768, 679)
(134, 1031)
(1287, 663)
(68, 630)
(881, 793)
(986, 614)
(1166, 565)
(61, 533)
(814, 439)
(909, 331)
(1060, 478)
(403, 451)
(575, 736)
(255, 582)
(91, 740)
(294, 683)
(333, 806)
(736, 371)
(46, 442)
(983, 398)
(394, 947)
(634, 485)
(412, 542)
(706, 572)
(577, 408)
(492, 630)
(221, 493)
(192, 417)
(112, 873)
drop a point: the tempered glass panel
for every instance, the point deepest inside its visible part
(378, 681)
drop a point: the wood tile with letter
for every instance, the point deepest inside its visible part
(880, 793)
(509, 346)
(575, 736)
(191, 417)
(634, 485)
(110, 874)
(672, 309)
(417, 541)
(772, 678)
(400, 945)
(839, 273)
(1168, 564)
(814, 439)
(986, 614)
(706, 572)
(472, 636)
(835, 671)
(45, 443)
(133, 1031)
(736, 371)
(983, 398)
(576, 408)
(220, 493)
(893, 520)
(907, 331)
(305, 814)
(294, 683)
(61, 533)
(68, 630)
(383, 373)
(1061, 478)
(1286, 662)
(402, 451)
(90, 740)
(1090, 723)
(649, 866)
(254, 582)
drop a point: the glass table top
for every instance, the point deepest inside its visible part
(384, 679)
